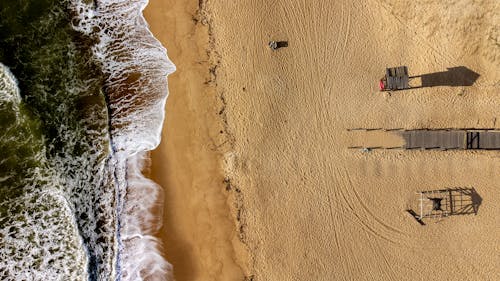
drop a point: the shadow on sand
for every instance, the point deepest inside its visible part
(447, 202)
(465, 201)
(454, 77)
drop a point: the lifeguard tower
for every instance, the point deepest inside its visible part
(396, 78)
(435, 204)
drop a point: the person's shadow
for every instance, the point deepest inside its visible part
(454, 77)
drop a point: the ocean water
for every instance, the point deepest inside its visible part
(82, 95)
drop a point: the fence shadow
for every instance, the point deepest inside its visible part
(454, 76)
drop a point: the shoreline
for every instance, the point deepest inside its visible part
(199, 232)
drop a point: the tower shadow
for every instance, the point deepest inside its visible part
(476, 200)
(454, 77)
(464, 201)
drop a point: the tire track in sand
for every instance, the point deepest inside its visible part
(347, 32)
(342, 215)
(439, 54)
(379, 229)
(343, 34)
(338, 222)
(366, 217)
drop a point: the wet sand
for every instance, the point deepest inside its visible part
(199, 233)
(304, 205)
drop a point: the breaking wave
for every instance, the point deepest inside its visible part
(77, 124)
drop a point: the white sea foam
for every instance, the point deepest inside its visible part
(42, 242)
(8, 87)
(39, 237)
(136, 65)
(142, 218)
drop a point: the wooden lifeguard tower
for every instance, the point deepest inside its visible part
(435, 204)
(396, 78)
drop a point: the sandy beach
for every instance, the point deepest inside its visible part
(259, 181)
(200, 238)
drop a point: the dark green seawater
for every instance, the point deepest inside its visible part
(53, 148)
(82, 95)
(56, 191)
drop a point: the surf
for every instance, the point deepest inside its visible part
(136, 65)
(84, 99)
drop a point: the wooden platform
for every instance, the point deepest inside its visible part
(483, 140)
(451, 139)
(397, 78)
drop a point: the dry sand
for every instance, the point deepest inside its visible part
(305, 206)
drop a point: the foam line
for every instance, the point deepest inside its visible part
(136, 66)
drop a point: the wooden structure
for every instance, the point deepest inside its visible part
(396, 78)
(435, 204)
(437, 139)
(447, 202)
(451, 139)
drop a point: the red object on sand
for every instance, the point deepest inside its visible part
(381, 85)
